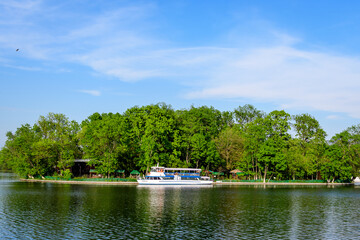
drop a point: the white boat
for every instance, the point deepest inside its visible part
(357, 181)
(174, 176)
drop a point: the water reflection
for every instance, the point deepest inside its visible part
(43, 211)
(8, 177)
(173, 211)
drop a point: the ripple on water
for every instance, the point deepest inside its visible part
(43, 211)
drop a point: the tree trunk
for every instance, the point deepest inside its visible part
(264, 180)
(253, 164)
(257, 169)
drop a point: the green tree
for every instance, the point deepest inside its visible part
(336, 164)
(103, 138)
(153, 130)
(230, 145)
(341, 157)
(271, 139)
(61, 137)
(246, 114)
(311, 140)
(42, 149)
(19, 151)
(354, 148)
(197, 128)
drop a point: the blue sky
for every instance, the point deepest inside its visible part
(81, 57)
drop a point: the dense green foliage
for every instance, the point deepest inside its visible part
(47, 147)
(258, 144)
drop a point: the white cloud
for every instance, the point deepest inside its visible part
(333, 117)
(20, 4)
(282, 74)
(95, 93)
(289, 76)
(117, 43)
(24, 68)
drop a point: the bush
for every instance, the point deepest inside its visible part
(66, 174)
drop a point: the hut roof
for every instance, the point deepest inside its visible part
(235, 171)
(135, 172)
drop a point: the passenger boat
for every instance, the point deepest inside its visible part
(357, 181)
(174, 176)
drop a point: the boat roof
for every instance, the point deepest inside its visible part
(178, 169)
(183, 169)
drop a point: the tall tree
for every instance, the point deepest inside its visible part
(21, 154)
(246, 114)
(342, 156)
(153, 129)
(61, 137)
(272, 138)
(311, 142)
(103, 138)
(230, 145)
(205, 121)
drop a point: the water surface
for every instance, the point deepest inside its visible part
(64, 211)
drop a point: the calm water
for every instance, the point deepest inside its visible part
(62, 211)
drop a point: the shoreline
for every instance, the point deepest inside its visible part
(214, 184)
(281, 183)
(79, 182)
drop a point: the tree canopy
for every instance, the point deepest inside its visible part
(256, 143)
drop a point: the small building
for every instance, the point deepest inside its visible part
(80, 167)
(235, 173)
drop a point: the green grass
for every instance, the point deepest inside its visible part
(286, 181)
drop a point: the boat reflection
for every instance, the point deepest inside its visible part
(157, 187)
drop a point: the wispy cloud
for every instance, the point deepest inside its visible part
(282, 74)
(117, 43)
(289, 76)
(24, 68)
(333, 117)
(95, 93)
(24, 4)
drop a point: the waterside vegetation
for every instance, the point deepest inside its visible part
(256, 143)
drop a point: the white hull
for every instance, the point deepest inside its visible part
(173, 182)
(357, 181)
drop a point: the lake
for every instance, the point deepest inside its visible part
(63, 211)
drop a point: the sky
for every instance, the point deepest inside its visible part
(80, 57)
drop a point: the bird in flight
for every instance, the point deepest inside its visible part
(17, 49)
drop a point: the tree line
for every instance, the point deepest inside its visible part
(258, 144)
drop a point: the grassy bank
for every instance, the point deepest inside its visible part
(280, 182)
(91, 179)
(132, 181)
(283, 181)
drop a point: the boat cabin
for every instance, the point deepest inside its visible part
(184, 173)
(171, 173)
